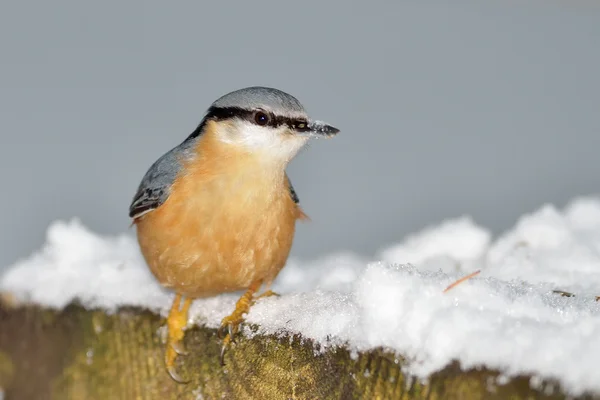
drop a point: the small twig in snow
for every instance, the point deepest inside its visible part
(461, 280)
(568, 294)
(563, 293)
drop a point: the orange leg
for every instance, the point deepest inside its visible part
(176, 323)
(231, 323)
(266, 293)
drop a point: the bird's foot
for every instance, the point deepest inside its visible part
(176, 323)
(230, 325)
(267, 293)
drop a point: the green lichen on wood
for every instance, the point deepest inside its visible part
(82, 354)
(7, 370)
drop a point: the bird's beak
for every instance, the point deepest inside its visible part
(320, 128)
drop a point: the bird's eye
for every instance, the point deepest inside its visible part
(261, 118)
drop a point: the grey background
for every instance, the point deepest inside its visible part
(481, 108)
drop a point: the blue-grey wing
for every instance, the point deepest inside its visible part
(156, 184)
(292, 191)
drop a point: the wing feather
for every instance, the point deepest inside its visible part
(156, 185)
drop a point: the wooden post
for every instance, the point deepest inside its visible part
(88, 354)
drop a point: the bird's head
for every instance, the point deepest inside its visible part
(267, 121)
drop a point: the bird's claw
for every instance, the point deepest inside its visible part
(232, 322)
(180, 349)
(223, 348)
(231, 325)
(175, 376)
(231, 332)
(226, 329)
(170, 357)
(176, 323)
(227, 341)
(221, 332)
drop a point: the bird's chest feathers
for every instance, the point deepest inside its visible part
(235, 196)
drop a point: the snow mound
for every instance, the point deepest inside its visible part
(453, 246)
(75, 263)
(507, 318)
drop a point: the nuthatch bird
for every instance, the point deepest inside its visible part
(217, 213)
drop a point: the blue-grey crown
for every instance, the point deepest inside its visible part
(274, 100)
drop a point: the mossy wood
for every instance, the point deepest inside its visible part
(81, 354)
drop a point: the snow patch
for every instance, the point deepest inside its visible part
(75, 263)
(453, 246)
(550, 246)
(507, 318)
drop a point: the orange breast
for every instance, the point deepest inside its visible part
(228, 222)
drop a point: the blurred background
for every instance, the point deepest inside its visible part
(482, 108)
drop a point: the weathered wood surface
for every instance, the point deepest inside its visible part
(82, 354)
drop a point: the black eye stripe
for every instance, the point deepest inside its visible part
(223, 113)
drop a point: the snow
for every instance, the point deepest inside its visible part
(506, 318)
(76, 263)
(452, 246)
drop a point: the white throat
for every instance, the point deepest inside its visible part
(273, 144)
